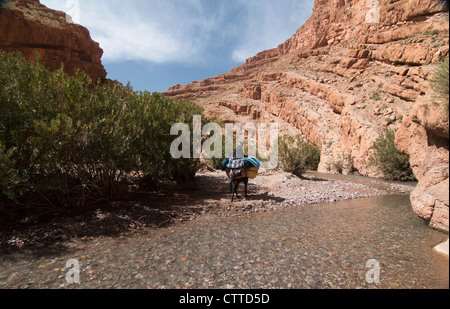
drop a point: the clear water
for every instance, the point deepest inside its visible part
(317, 246)
(324, 246)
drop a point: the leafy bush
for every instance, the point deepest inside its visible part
(297, 155)
(338, 166)
(65, 141)
(392, 163)
(440, 83)
(344, 163)
(216, 163)
(376, 96)
(431, 32)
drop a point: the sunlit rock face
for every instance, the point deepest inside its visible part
(28, 27)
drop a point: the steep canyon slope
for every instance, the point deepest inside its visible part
(27, 26)
(354, 68)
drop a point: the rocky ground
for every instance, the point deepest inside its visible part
(208, 197)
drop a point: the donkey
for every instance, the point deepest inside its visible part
(236, 178)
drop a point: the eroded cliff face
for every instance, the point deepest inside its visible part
(424, 135)
(354, 68)
(339, 80)
(27, 26)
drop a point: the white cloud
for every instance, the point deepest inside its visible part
(161, 31)
(127, 34)
(154, 31)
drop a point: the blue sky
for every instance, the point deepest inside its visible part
(155, 44)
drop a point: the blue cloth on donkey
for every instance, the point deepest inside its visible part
(241, 163)
(235, 164)
(254, 162)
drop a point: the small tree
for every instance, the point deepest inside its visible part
(298, 155)
(393, 164)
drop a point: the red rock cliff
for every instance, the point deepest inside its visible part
(28, 27)
(354, 68)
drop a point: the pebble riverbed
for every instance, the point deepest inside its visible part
(309, 246)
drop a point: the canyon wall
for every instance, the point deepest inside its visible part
(354, 68)
(424, 135)
(27, 26)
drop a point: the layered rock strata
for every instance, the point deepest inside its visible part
(28, 27)
(354, 68)
(424, 135)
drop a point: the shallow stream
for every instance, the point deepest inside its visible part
(315, 246)
(377, 242)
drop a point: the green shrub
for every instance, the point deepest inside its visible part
(392, 163)
(297, 155)
(345, 163)
(216, 163)
(440, 83)
(376, 96)
(431, 32)
(65, 141)
(155, 117)
(338, 166)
